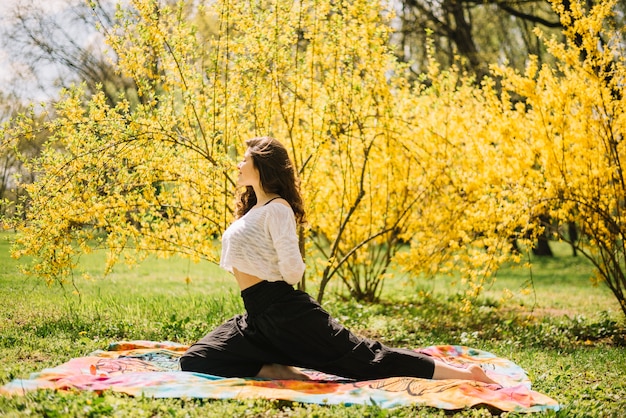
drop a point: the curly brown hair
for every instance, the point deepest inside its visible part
(277, 175)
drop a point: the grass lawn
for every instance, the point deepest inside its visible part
(569, 335)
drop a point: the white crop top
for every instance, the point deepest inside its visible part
(264, 243)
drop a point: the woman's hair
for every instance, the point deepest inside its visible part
(277, 175)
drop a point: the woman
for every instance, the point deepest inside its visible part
(284, 328)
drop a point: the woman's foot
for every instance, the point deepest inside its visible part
(479, 374)
(281, 372)
(473, 372)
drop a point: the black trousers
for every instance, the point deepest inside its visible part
(286, 326)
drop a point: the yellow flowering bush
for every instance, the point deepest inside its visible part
(574, 116)
(434, 177)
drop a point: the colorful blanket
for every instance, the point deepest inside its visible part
(147, 368)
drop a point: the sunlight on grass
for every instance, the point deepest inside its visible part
(559, 285)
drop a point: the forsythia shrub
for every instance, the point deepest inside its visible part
(574, 117)
(438, 177)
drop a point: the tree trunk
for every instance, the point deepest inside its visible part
(543, 247)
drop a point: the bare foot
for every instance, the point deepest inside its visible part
(479, 374)
(473, 372)
(281, 372)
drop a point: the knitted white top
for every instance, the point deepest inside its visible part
(264, 243)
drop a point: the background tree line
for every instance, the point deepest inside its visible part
(420, 150)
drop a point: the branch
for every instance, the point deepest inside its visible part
(526, 16)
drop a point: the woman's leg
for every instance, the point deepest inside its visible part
(296, 331)
(227, 352)
(309, 337)
(238, 348)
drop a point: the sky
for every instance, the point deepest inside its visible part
(14, 75)
(5, 6)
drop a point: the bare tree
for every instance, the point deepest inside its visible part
(478, 32)
(54, 46)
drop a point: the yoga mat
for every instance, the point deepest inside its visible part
(150, 368)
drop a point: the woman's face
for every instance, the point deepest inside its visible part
(248, 173)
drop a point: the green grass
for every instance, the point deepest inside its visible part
(569, 335)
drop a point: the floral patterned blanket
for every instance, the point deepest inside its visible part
(149, 368)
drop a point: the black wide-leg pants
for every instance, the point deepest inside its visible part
(286, 326)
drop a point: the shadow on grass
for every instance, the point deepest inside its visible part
(432, 320)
